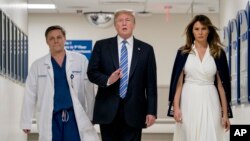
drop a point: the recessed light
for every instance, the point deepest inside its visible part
(41, 6)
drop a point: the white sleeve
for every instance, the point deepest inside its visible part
(88, 91)
(29, 100)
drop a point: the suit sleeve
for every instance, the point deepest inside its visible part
(173, 82)
(151, 90)
(226, 81)
(94, 68)
(227, 75)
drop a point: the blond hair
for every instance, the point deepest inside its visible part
(127, 12)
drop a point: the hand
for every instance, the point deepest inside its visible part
(226, 123)
(150, 120)
(114, 76)
(177, 115)
(27, 131)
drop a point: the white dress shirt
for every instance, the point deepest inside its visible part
(129, 45)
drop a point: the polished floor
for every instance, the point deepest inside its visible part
(145, 137)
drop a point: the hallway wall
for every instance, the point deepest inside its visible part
(165, 36)
(228, 11)
(11, 93)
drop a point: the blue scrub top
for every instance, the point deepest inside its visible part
(62, 97)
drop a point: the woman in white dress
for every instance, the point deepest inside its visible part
(200, 90)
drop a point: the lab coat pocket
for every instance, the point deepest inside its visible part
(75, 79)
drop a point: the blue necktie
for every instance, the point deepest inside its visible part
(124, 68)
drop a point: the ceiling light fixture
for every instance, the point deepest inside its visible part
(100, 19)
(41, 6)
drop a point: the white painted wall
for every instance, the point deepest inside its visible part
(12, 93)
(166, 37)
(17, 11)
(228, 11)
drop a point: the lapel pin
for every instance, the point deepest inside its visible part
(71, 76)
(139, 48)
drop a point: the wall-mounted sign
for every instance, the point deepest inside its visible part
(235, 81)
(1, 38)
(244, 45)
(226, 42)
(3, 59)
(25, 55)
(248, 55)
(13, 50)
(81, 46)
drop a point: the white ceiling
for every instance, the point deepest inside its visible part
(153, 6)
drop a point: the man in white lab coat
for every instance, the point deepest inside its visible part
(58, 89)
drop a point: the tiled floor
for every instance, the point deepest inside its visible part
(145, 137)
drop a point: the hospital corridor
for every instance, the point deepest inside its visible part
(106, 48)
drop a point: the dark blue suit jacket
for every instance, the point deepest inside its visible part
(222, 68)
(141, 98)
